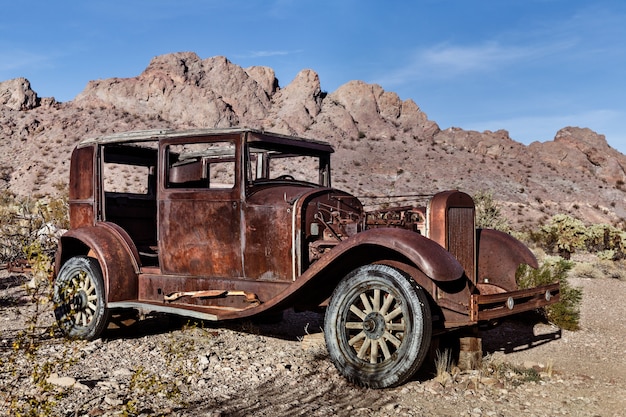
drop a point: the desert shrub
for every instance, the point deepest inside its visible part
(25, 359)
(565, 313)
(509, 373)
(443, 366)
(586, 270)
(607, 255)
(488, 214)
(564, 234)
(606, 240)
(5, 173)
(612, 269)
(25, 226)
(30, 226)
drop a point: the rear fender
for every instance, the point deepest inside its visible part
(499, 256)
(113, 248)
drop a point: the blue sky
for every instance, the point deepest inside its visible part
(528, 66)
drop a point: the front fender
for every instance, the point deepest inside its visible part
(371, 246)
(430, 257)
(113, 248)
(499, 256)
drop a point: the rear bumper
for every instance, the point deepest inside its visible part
(493, 306)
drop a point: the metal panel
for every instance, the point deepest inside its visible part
(81, 189)
(267, 237)
(200, 236)
(461, 236)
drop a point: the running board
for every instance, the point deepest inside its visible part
(161, 308)
(250, 297)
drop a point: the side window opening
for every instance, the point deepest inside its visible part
(201, 165)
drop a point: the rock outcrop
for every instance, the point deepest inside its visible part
(16, 94)
(583, 149)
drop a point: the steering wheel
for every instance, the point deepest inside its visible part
(286, 177)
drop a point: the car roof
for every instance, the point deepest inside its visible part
(254, 135)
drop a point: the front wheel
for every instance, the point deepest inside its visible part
(378, 326)
(78, 297)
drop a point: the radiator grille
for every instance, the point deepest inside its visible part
(461, 235)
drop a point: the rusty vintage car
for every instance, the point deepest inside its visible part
(235, 223)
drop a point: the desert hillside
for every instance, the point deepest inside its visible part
(384, 146)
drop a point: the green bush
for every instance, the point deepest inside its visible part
(608, 241)
(488, 215)
(565, 234)
(565, 313)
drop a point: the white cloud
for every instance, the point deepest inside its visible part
(15, 60)
(267, 53)
(459, 59)
(260, 54)
(590, 35)
(449, 61)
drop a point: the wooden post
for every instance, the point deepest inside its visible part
(471, 350)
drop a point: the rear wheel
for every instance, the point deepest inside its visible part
(378, 326)
(79, 298)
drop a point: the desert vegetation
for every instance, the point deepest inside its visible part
(29, 226)
(600, 248)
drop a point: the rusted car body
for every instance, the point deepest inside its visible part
(233, 223)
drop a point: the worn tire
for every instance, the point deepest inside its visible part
(378, 326)
(79, 301)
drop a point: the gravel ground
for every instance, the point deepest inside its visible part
(162, 366)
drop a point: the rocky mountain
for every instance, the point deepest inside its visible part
(384, 146)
